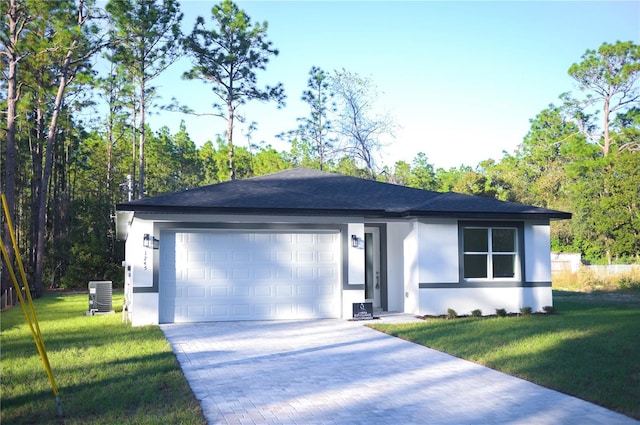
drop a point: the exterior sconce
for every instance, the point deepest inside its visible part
(354, 241)
(149, 241)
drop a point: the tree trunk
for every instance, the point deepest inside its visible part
(134, 150)
(232, 166)
(142, 140)
(11, 151)
(607, 137)
(46, 174)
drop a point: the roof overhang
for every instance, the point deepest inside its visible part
(124, 213)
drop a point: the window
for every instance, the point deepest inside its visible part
(490, 252)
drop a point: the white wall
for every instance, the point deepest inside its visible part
(438, 251)
(463, 300)
(397, 232)
(537, 248)
(355, 255)
(438, 263)
(411, 264)
(145, 310)
(139, 257)
(144, 307)
(417, 251)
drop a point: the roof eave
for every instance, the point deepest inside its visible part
(249, 211)
(551, 215)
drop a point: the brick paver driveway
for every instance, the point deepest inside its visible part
(339, 372)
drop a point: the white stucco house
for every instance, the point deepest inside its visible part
(303, 244)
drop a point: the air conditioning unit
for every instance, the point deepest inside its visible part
(100, 297)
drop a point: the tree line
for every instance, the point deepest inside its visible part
(63, 173)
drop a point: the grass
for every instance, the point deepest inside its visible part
(109, 372)
(590, 349)
(106, 371)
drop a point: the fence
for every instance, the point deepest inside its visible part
(8, 298)
(612, 270)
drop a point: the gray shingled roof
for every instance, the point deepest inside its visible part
(310, 192)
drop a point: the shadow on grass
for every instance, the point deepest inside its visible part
(619, 298)
(588, 350)
(105, 370)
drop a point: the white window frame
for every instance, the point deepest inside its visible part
(517, 266)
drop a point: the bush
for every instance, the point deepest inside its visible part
(501, 312)
(476, 313)
(525, 311)
(630, 281)
(451, 313)
(549, 309)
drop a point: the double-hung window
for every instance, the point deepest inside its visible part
(490, 252)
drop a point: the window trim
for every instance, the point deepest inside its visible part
(519, 271)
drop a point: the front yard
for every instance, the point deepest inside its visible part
(590, 349)
(106, 371)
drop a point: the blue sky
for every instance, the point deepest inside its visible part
(461, 79)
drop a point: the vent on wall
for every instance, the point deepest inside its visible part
(100, 297)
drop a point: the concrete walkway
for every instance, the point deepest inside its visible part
(340, 372)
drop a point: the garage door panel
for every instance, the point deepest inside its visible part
(264, 273)
(326, 289)
(240, 273)
(218, 291)
(216, 275)
(196, 273)
(240, 311)
(305, 290)
(305, 256)
(196, 292)
(263, 291)
(304, 273)
(284, 290)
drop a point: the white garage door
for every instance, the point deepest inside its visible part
(240, 275)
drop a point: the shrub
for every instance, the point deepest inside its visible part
(501, 312)
(549, 309)
(630, 281)
(476, 313)
(451, 313)
(525, 311)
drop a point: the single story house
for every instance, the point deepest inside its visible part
(302, 243)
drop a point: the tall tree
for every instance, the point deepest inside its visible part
(314, 130)
(358, 124)
(227, 56)
(147, 36)
(74, 33)
(11, 54)
(422, 175)
(610, 77)
(51, 41)
(542, 162)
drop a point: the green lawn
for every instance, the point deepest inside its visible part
(107, 372)
(590, 349)
(110, 373)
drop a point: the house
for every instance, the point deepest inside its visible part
(303, 244)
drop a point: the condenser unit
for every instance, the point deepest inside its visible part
(100, 297)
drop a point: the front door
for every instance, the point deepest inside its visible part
(372, 278)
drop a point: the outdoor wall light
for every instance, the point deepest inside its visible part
(149, 241)
(354, 241)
